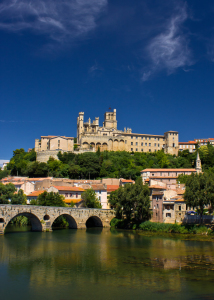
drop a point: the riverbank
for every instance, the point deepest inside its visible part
(164, 227)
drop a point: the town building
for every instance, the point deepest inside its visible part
(165, 176)
(204, 142)
(49, 146)
(71, 194)
(191, 146)
(107, 137)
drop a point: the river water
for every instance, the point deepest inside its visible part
(104, 264)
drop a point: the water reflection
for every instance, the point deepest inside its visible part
(100, 263)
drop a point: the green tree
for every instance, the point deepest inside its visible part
(90, 200)
(199, 191)
(132, 202)
(19, 198)
(51, 199)
(4, 173)
(6, 192)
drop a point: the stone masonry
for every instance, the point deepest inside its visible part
(42, 217)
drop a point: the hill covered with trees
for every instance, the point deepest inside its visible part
(104, 164)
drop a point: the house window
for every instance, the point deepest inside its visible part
(132, 143)
(154, 206)
(131, 149)
(157, 206)
(141, 144)
(136, 149)
(145, 138)
(142, 137)
(70, 195)
(155, 139)
(131, 137)
(125, 142)
(76, 195)
(149, 144)
(136, 143)
(168, 215)
(141, 150)
(136, 137)
(155, 144)
(149, 138)
(179, 207)
(158, 145)
(58, 143)
(145, 144)
(149, 150)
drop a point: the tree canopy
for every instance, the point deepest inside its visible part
(131, 202)
(199, 191)
(51, 199)
(90, 199)
(112, 164)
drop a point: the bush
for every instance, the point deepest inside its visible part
(174, 228)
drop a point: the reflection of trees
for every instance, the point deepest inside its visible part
(88, 257)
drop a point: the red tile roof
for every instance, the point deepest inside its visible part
(111, 188)
(97, 187)
(69, 188)
(157, 187)
(127, 180)
(35, 193)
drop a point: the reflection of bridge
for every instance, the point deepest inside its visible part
(42, 217)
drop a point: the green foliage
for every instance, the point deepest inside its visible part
(33, 202)
(4, 173)
(182, 178)
(61, 222)
(173, 228)
(112, 164)
(90, 200)
(131, 202)
(51, 199)
(19, 198)
(6, 192)
(20, 221)
(199, 191)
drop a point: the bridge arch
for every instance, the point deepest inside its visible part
(71, 221)
(94, 221)
(34, 220)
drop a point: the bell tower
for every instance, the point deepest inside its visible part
(198, 164)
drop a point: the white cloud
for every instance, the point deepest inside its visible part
(61, 20)
(169, 50)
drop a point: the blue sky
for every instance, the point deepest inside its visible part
(151, 60)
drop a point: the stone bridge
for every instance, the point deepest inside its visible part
(42, 217)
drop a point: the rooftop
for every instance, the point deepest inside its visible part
(69, 188)
(168, 170)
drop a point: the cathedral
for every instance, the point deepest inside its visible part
(107, 137)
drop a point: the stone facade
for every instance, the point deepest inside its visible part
(108, 137)
(49, 146)
(42, 217)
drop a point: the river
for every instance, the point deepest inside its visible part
(104, 264)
